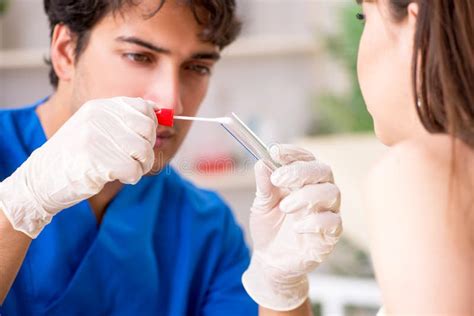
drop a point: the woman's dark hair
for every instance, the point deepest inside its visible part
(443, 64)
(218, 17)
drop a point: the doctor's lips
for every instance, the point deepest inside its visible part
(164, 135)
(165, 131)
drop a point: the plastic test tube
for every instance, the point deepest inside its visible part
(235, 127)
(247, 138)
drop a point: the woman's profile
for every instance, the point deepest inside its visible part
(416, 72)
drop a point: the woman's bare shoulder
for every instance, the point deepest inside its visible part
(420, 237)
(404, 175)
(422, 167)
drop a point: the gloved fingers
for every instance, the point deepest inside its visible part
(313, 261)
(262, 179)
(123, 168)
(287, 153)
(124, 150)
(140, 150)
(143, 126)
(313, 197)
(145, 107)
(139, 116)
(265, 196)
(300, 173)
(131, 174)
(318, 242)
(309, 251)
(318, 252)
(145, 155)
(264, 227)
(324, 224)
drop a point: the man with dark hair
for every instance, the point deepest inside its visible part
(84, 231)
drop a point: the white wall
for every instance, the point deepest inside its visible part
(253, 84)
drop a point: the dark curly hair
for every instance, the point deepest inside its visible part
(221, 26)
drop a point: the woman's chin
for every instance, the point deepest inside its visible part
(385, 138)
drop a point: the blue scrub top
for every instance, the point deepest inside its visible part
(164, 247)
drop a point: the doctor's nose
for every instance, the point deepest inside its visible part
(166, 93)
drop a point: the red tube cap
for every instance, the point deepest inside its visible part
(165, 116)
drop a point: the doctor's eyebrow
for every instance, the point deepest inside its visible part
(161, 50)
(145, 44)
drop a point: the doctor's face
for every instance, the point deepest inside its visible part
(159, 58)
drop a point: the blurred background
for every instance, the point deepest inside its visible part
(291, 77)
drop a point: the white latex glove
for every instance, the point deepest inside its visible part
(105, 140)
(294, 224)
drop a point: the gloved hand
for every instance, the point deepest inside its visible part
(294, 224)
(105, 140)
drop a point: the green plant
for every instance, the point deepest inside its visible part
(3, 6)
(343, 113)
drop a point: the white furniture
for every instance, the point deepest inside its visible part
(335, 294)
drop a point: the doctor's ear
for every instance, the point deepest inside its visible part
(63, 44)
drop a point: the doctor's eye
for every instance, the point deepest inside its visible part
(138, 58)
(360, 17)
(199, 69)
